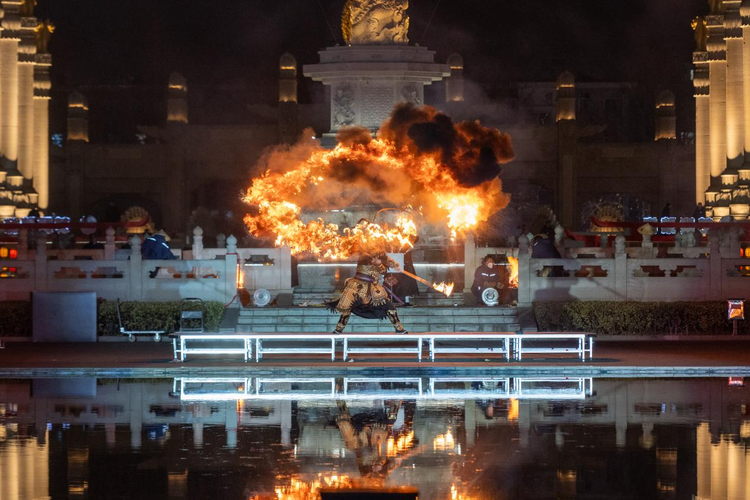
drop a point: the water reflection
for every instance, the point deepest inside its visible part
(262, 438)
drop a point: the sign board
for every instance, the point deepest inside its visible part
(64, 316)
(735, 309)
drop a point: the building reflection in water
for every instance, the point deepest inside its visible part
(451, 438)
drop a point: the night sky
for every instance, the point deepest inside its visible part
(238, 42)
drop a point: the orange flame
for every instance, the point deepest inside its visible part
(446, 288)
(278, 196)
(513, 275)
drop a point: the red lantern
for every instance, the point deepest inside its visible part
(13, 253)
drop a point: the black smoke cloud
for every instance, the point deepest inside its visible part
(472, 154)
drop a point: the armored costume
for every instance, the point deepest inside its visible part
(364, 296)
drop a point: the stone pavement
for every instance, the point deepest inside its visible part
(721, 356)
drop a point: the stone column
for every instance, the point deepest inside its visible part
(736, 471)
(719, 471)
(745, 17)
(703, 462)
(718, 97)
(26, 58)
(701, 81)
(41, 128)
(735, 93)
(9, 82)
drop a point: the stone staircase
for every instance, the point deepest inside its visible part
(415, 319)
(429, 298)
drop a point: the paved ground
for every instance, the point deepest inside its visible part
(719, 356)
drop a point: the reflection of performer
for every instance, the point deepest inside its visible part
(368, 435)
(364, 296)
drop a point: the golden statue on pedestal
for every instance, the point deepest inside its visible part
(375, 22)
(42, 34)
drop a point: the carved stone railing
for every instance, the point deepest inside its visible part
(684, 272)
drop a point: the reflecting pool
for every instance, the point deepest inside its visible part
(450, 438)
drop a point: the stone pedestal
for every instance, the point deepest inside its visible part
(367, 81)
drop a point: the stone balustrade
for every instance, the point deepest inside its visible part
(206, 273)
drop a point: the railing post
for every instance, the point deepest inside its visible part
(715, 264)
(136, 269)
(197, 243)
(40, 263)
(621, 268)
(231, 261)
(109, 244)
(470, 263)
(524, 273)
(221, 240)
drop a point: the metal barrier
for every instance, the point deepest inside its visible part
(503, 344)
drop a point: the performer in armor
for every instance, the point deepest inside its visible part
(364, 296)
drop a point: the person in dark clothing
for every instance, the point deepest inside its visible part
(699, 212)
(486, 276)
(155, 248)
(93, 244)
(667, 210)
(543, 248)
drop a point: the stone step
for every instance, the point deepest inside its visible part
(355, 326)
(415, 319)
(407, 312)
(422, 320)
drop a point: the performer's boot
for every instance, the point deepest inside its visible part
(343, 320)
(393, 316)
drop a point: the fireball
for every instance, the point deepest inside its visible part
(420, 158)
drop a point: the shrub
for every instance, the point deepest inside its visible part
(152, 316)
(15, 319)
(636, 318)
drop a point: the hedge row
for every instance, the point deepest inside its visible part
(152, 316)
(15, 317)
(636, 318)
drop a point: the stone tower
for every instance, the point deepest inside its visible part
(565, 97)
(177, 104)
(666, 122)
(24, 109)
(377, 68)
(78, 118)
(454, 85)
(722, 94)
(287, 78)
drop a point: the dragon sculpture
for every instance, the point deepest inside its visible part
(375, 22)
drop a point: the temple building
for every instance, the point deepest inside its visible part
(24, 110)
(722, 115)
(578, 143)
